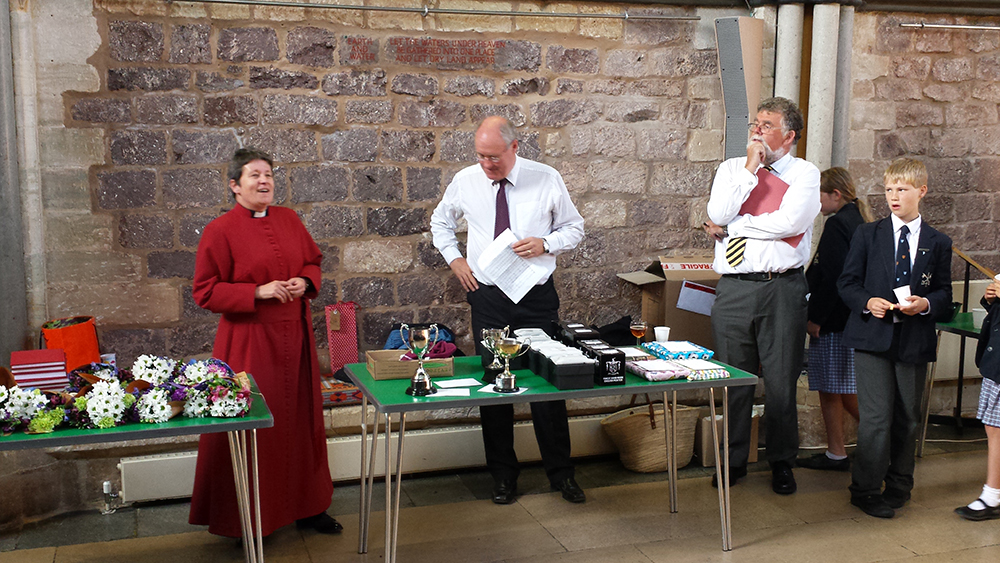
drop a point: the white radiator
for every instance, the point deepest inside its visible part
(166, 476)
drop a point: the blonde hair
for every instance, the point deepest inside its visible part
(907, 171)
(839, 179)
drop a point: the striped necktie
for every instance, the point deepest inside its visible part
(735, 249)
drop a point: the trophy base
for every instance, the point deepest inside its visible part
(420, 391)
(498, 389)
(491, 374)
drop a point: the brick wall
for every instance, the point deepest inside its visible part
(368, 116)
(932, 94)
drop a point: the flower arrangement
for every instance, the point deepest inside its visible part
(18, 406)
(152, 392)
(154, 369)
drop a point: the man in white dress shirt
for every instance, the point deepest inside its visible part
(759, 316)
(505, 191)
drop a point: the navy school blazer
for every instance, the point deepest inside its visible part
(870, 271)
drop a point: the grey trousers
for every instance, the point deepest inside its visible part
(889, 395)
(760, 327)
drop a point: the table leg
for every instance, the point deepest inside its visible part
(259, 540)
(253, 549)
(399, 483)
(362, 516)
(925, 400)
(725, 463)
(961, 384)
(721, 468)
(670, 437)
(388, 488)
(366, 499)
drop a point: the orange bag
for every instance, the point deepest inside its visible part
(77, 336)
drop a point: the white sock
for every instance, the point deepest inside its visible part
(835, 457)
(990, 497)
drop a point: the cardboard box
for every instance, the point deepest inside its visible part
(661, 285)
(703, 440)
(385, 364)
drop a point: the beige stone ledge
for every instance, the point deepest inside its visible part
(278, 14)
(705, 146)
(873, 115)
(377, 256)
(543, 24)
(53, 80)
(607, 28)
(862, 144)
(188, 10)
(228, 12)
(353, 18)
(870, 67)
(705, 88)
(136, 7)
(482, 24)
(399, 20)
(65, 189)
(134, 304)
(71, 147)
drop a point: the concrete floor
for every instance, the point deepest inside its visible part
(449, 518)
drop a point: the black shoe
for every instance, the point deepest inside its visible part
(735, 474)
(988, 513)
(782, 479)
(824, 463)
(322, 523)
(895, 498)
(505, 491)
(570, 490)
(873, 505)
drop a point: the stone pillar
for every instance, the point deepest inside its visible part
(13, 309)
(822, 84)
(842, 105)
(788, 52)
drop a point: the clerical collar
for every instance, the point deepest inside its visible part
(256, 214)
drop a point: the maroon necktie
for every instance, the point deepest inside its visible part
(503, 214)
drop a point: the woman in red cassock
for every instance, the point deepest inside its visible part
(258, 267)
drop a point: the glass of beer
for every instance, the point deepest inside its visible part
(638, 329)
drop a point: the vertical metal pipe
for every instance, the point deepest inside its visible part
(788, 52)
(822, 84)
(14, 307)
(842, 107)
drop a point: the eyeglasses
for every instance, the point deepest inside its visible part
(493, 159)
(764, 127)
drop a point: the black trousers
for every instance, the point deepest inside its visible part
(539, 308)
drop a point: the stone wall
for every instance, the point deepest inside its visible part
(933, 95)
(368, 115)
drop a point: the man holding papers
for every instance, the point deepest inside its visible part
(519, 218)
(762, 209)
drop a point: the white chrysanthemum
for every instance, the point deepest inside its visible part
(106, 403)
(4, 393)
(104, 373)
(197, 404)
(228, 408)
(153, 369)
(23, 403)
(154, 406)
(196, 372)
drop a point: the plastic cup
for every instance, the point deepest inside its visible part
(662, 333)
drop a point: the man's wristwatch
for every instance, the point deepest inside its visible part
(545, 246)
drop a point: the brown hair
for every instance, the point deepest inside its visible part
(908, 171)
(839, 179)
(245, 156)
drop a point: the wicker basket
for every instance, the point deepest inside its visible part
(642, 448)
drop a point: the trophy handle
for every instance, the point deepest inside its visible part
(437, 333)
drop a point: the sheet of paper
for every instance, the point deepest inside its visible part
(696, 298)
(515, 276)
(902, 292)
(452, 383)
(489, 389)
(464, 392)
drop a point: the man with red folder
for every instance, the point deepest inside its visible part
(762, 209)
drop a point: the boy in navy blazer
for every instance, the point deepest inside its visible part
(896, 296)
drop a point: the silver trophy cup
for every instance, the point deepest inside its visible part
(419, 339)
(490, 338)
(508, 348)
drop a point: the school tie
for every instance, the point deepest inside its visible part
(734, 250)
(903, 259)
(503, 214)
